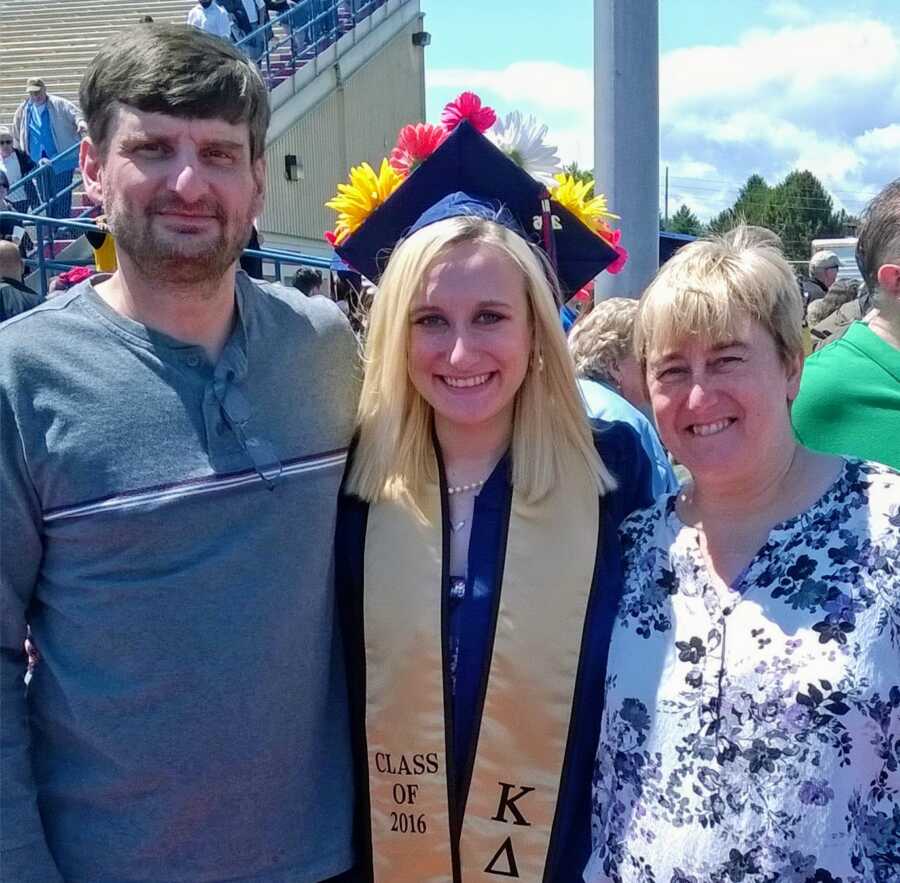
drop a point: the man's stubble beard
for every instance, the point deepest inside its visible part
(162, 262)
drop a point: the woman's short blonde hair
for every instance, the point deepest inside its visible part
(604, 337)
(395, 448)
(711, 286)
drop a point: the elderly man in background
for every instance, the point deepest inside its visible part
(16, 164)
(46, 126)
(849, 401)
(823, 270)
(611, 381)
(15, 296)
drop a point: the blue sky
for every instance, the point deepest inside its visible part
(757, 86)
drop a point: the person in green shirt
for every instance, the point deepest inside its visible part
(849, 401)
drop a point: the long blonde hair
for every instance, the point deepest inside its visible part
(395, 449)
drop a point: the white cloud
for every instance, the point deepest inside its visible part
(823, 97)
(691, 168)
(783, 67)
(879, 141)
(541, 85)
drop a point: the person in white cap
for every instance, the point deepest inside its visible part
(823, 271)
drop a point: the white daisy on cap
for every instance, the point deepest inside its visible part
(521, 138)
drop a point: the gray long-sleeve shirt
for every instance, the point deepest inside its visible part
(187, 718)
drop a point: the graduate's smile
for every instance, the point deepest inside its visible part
(465, 383)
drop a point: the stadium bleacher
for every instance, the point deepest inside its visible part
(55, 39)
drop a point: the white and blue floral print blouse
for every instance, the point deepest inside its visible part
(752, 733)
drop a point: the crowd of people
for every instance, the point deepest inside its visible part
(477, 600)
(308, 21)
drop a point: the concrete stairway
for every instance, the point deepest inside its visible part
(55, 39)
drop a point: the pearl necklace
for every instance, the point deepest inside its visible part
(462, 488)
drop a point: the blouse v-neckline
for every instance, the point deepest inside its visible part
(776, 535)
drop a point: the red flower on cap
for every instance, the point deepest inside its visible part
(468, 106)
(414, 144)
(617, 265)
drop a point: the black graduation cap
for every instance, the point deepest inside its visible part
(468, 175)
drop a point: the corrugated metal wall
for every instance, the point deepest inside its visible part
(356, 123)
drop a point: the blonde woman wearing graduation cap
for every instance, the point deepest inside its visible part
(478, 565)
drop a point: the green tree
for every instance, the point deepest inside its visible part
(799, 210)
(750, 207)
(579, 174)
(685, 221)
(723, 222)
(753, 201)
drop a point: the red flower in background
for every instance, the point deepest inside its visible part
(585, 294)
(330, 237)
(76, 275)
(468, 107)
(414, 144)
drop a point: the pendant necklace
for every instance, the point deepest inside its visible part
(455, 490)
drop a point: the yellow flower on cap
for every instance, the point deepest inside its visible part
(578, 198)
(358, 199)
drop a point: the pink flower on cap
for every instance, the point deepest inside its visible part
(468, 106)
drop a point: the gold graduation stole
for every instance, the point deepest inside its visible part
(419, 834)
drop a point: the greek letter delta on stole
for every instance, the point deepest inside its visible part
(421, 832)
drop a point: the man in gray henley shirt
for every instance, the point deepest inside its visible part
(173, 438)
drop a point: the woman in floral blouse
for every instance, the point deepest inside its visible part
(752, 722)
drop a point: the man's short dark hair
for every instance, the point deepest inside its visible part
(878, 240)
(177, 70)
(306, 279)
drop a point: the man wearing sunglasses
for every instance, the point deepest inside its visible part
(169, 484)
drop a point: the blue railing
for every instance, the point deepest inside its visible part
(44, 178)
(311, 26)
(49, 265)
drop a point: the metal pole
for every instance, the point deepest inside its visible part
(626, 133)
(42, 265)
(667, 197)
